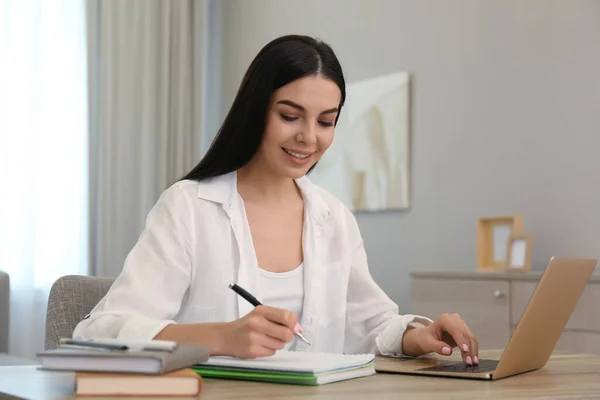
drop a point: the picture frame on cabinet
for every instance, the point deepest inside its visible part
(493, 235)
(518, 255)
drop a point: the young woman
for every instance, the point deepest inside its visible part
(248, 214)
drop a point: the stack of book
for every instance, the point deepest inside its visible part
(112, 368)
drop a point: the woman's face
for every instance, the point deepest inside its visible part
(299, 125)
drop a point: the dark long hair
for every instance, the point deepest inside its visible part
(280, 62)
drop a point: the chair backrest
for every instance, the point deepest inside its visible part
(4, 311)
(71, 298)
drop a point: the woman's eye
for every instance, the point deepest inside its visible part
(288, 117)
(291, 118)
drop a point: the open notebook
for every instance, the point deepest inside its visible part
(301, 368)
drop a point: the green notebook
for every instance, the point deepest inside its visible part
(300, 368)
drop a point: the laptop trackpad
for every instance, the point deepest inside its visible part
(484, 366)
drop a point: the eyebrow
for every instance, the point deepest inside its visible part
(299, 107)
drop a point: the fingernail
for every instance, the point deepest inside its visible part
(446, 350)
(297, 328)
(465, 347)
(476, 360)
(469, 361)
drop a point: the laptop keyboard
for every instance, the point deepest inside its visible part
(484, 366)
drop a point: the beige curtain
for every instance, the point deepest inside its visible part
(146, 75)
(43, 159)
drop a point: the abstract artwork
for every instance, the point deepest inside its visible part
(367, 165)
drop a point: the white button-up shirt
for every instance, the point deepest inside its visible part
(197, 240)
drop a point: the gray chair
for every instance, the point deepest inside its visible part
(4, 311)
(71, 298)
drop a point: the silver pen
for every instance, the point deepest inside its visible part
(115, 344)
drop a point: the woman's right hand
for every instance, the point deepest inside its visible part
(259, 333)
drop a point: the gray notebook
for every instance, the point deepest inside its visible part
(145, 362)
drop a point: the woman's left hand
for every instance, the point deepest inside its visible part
(445, 333)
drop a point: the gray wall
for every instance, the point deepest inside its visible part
(505, 116)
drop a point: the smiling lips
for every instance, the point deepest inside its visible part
(298, 157)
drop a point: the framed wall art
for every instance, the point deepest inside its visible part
(367, 165)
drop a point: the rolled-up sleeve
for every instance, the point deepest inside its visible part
(373, 324)
(148, 293)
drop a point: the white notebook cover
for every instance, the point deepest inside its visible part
(296, 362)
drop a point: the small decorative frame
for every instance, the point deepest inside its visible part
(493, 234)
(518, 256)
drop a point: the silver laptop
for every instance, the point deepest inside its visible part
(547, 313)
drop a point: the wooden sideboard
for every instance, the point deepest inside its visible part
(492, 304)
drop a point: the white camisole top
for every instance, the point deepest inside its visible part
(283, 290)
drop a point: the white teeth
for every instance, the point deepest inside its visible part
(297, 155)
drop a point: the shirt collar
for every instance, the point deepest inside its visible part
(222, 189)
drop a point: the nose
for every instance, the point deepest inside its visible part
(308, 134)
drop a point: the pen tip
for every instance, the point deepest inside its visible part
(305, 340)
(231, 285)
